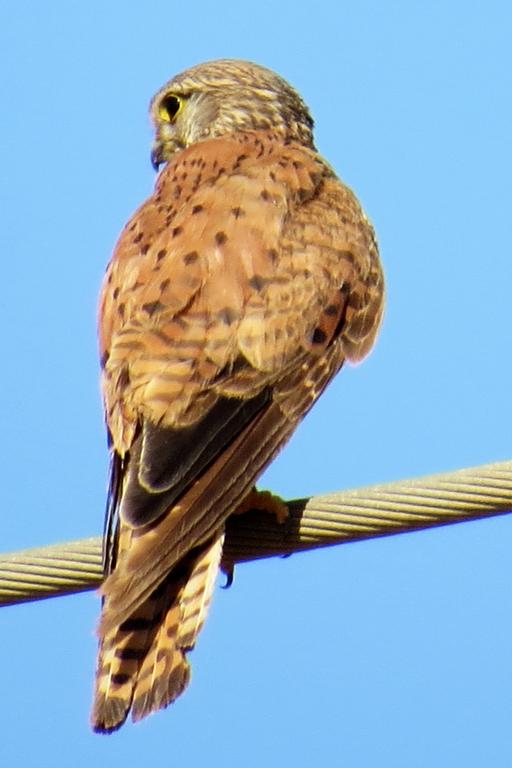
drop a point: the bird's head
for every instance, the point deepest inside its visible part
(223, 96)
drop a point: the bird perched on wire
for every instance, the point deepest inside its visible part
(234, 295)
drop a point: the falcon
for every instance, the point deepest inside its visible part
(234, 295)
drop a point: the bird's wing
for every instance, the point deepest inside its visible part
(234, 295)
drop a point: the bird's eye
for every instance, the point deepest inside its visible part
(169, 108)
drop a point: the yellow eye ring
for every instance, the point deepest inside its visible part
(169, 108)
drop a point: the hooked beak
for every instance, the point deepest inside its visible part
(157, 156)
(163, 149)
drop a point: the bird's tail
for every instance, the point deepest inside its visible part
(142, 664)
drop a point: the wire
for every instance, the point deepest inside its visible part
(320, 521)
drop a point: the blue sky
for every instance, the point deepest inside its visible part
(394, 652)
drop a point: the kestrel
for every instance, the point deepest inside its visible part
(234, 295)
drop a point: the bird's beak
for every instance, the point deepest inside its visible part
(157, 155)
(163, 149)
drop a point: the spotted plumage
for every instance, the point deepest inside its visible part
(234, 295)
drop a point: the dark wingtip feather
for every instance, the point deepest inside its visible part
(165, 461)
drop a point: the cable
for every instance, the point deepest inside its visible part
(320, 521)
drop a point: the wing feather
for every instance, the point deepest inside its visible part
(233, 298)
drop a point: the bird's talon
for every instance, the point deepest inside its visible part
(229, 572)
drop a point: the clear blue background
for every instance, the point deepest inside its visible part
(395, 652)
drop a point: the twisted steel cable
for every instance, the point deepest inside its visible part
(319, 521)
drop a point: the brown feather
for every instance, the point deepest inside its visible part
(248, 277)
(142, 665)
(165, 671)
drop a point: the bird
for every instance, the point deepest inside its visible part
(234, 295)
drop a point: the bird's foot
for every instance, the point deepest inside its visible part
(264, 501)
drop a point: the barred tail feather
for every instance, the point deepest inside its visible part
(120, 656)
(165, 671)
(142, 664)
(197, 594)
